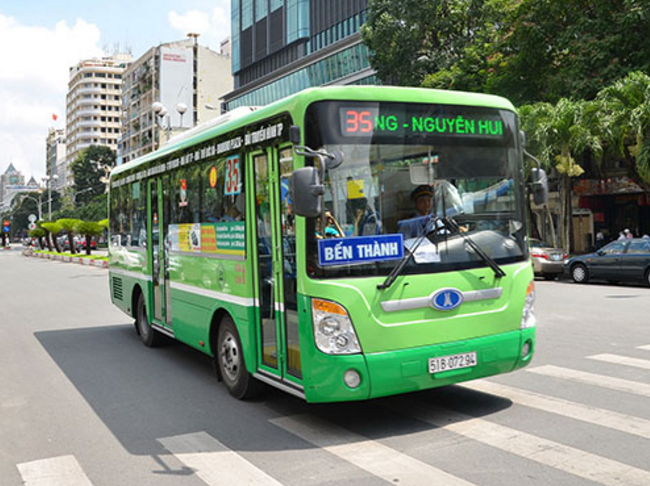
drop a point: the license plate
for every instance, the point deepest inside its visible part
(557, 257)
(452, 362)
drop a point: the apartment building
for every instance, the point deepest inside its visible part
(93, 111)
(187, 79)
(55, 157)
(280, 47)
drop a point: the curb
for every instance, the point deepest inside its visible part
(80, 261)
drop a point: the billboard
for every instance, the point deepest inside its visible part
(176, 84)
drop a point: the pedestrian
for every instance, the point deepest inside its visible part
(621, 236)
(628, 234)
(600, 239)
(645, 236)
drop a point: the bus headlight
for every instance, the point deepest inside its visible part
(333, 329)
(528, 317)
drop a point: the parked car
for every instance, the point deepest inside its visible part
(622, 260)
(548, 262)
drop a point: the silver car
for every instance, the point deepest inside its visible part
(548, 262)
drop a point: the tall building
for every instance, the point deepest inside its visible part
(55, 153)
(280, 47)
(12, 182)
(94, 102)
(174, 73)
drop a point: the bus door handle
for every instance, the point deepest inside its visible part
(270, 281)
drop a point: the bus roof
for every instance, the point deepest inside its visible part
(299, 102)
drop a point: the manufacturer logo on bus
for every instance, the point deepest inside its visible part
(446, 299)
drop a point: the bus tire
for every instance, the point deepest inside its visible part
(230, 359)
(148, 335)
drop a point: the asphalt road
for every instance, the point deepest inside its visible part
(83, 402)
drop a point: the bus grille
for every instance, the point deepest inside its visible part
(117, 288)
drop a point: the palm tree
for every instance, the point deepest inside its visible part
(53, 230)
(626, 112)
(560, 132)
(70, 226)
(88, 229)
(38, 234)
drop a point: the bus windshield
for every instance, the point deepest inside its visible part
(411, 170)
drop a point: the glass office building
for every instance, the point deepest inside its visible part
(280, 47)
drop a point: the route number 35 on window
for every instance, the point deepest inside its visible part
(233, 176)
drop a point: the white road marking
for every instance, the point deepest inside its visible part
(369, 455)
(566, 408)
(215, 463)
(619, 384)
(622, 360)
(565, 458)
(55, 471)
(646, 347)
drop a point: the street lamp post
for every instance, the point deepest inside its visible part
(39, 204)
(161, 112)
(48, 182)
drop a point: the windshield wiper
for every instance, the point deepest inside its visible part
(397, 269)
(453, 225)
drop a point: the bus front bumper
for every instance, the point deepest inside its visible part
(394, 372)
(408, 370)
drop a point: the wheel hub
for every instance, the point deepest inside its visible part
(230, 357)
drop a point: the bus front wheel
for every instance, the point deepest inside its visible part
(230, 358)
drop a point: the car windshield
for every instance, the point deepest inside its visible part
(398, 185)
(535, 243)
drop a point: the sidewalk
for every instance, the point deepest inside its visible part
(29, 252)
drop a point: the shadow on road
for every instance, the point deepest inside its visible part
(144, 394)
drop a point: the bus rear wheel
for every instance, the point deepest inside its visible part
(148, 335)
(232, 367)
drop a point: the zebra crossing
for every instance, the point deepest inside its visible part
(213, 463)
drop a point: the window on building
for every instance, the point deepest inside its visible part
(246, 14)
(261, 9)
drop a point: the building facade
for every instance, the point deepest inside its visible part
(93, 111)
(174, 74)
(12, 183)
(280, 47)
(55, 157)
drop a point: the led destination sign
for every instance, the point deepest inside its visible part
(355, 122)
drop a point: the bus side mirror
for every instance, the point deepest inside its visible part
(294, 134)
(307, 192)
(539, 186)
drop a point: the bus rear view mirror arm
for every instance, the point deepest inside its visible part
(538, 182)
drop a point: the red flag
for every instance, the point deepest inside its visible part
(54, 117)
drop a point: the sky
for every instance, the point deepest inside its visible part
(41, 39)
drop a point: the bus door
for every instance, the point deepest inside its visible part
(158, 223)
(276, 264)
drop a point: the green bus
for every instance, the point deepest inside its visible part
(344, 243)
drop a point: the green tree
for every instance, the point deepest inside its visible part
(89, 174)
(568, 48)
(88, 229)
(52, 229)
(70, 226)
(626, 113)
(412, 38)
(38, 234)
(559, 133)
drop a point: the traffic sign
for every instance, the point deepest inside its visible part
(7, 222)
(32, 226)
(32, 218)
